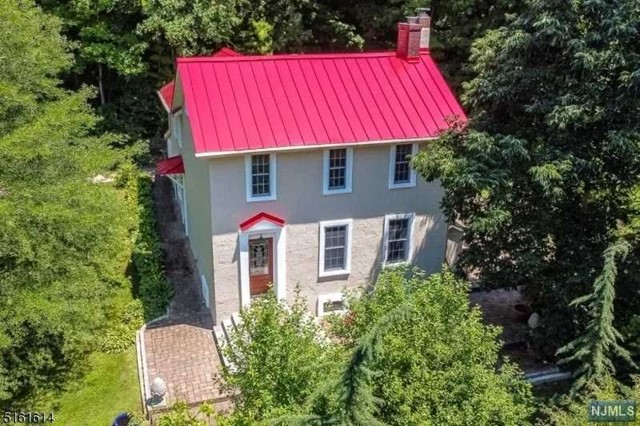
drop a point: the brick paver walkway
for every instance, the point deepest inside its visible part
(180, 349)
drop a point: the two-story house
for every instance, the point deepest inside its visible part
(294, 169)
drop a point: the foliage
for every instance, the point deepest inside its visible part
(59, 264)
(595, 349)
(280, 361)
(543, 174)
(104, 32)
(152, 286)
(180, 416)
(122, 334)
(573, 412)
(435, 361)
(200, 27)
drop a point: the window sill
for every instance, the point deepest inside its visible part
(336, 191)
(258, 199)
(402, 185)
(393, 265)
(334, 273)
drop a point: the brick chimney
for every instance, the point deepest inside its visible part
(409, 33)
(424, 19)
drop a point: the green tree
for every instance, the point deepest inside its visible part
(59, 263)
(573, 412)
(201, 27)
(280, 361)
(431, 359)
(544, 173)
(104, 36)
(595, 350)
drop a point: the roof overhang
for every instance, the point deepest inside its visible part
(170, 166)
(261, 219)
(309, 147)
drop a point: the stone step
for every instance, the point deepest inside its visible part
(221, 343)
(236, 319)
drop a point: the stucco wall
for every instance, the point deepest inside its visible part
(301, 203)
(198, 196)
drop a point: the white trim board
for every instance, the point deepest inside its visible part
(331, 297)
(392, 168)
(279, 236)
(348, 240)
(348, 178)
(308, 147)
(273, 178)
(385, 238)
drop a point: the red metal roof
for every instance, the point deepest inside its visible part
(266, 102)
(254, 220)
(166, 95)
(170, 166)
(166, 91)
(225, 51)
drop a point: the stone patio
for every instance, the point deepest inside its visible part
(179, 348)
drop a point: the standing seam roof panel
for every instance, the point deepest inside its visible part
(299, 109)
(258, 110)
(238, 103)
(326, 114)
(280, 97)
(337, 111)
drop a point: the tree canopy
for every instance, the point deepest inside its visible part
(544, 173)
(409, 351)
(59, 263)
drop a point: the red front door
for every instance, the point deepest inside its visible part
(260, 265)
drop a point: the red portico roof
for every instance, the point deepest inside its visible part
(166, 95)
(241, 103)
(254, 220)
(170, 166)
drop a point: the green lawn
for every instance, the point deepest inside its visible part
(109, 387)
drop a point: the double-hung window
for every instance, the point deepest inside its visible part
(400, 173)
(260, 177)
(338, 165)
(398, 238)
(335, 247)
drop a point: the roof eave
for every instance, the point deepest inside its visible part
(217, 154)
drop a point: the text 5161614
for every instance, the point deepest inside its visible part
(27, 417)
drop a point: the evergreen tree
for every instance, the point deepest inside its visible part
(594, 351)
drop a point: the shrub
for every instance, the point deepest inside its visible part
(122, 334)
(152, 286)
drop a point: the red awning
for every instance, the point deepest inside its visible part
(170, 166)
(254, 220)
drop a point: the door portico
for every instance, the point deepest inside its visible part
(262, 247)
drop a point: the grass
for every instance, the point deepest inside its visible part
(109, 387)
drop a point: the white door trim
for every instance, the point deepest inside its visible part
(279, 236)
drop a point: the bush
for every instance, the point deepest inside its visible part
(122, 334)
(436, 362)
(152, 286)
(280, 361)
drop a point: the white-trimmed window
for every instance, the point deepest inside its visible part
(398, 238)
(332, 303)
(176, 127)
(335, 247)
(401, 175)
(260, 177)
(337, 176)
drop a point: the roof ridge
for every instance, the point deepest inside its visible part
(290, 56)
